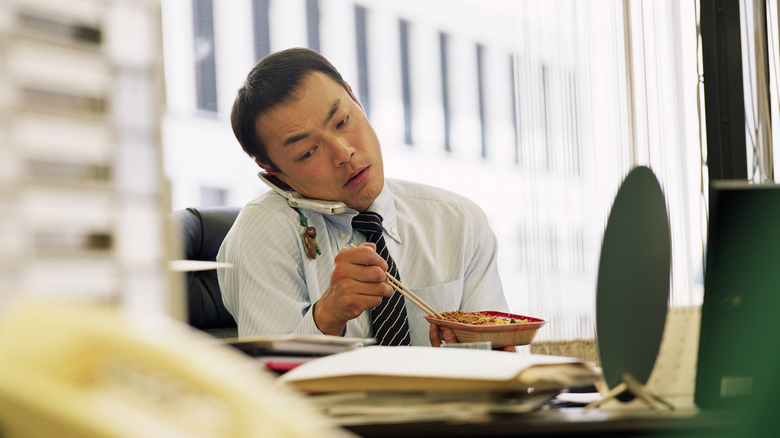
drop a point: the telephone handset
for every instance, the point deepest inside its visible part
(294, 199)
(88, 370)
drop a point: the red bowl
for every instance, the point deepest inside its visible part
(499, 335)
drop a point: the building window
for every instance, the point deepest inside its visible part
(445, 89)
(212, 197)
(574, 125)
(406, 81)
(313, 23)
(515, 102)
(361, 37)
(205, 68)
(481, 96)
(262, 28)
(545, 113)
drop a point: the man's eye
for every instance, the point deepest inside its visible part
(308, 153)
(343, 122)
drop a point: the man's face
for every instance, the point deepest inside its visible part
(323, 144)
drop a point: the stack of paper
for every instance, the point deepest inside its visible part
(357, 408)
(378, 368)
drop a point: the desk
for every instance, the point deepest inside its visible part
(565, 422)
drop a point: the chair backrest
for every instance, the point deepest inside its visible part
(202, 231)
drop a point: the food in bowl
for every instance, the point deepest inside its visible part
(494, 327)
(479, 318)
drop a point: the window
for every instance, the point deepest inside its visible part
(573, 139)
(481, 97)
(205, 69)
(445, 90)
(212, 197)
(544, 110)
(262, 29)
(406, 79)
(313, 23)
(361, 38)
(515, 111)
(578, 123)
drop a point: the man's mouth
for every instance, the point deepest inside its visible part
(357, 177)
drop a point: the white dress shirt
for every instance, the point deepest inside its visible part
(441, 242)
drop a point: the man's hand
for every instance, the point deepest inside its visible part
(442, 336)
(358, 283)
(446, 335)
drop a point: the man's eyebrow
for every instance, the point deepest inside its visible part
(332, 112)
(296, 138)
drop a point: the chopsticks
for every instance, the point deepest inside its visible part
(411, 296)
(416, 300)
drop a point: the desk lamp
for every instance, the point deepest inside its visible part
(632, 289)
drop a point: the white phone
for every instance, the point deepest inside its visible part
(88, 370)
(294, 199)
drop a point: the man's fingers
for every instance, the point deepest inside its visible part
(365, 255)
(368, 274)
(437, 336)
(449, 336)
(433, 335)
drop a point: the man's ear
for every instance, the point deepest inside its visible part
(268, 169)
(274, 176)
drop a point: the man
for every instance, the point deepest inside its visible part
(304, 272)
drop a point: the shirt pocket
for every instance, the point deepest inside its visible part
(443, 297)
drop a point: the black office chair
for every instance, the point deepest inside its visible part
(202, 231)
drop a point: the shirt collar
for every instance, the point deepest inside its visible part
(385, 206)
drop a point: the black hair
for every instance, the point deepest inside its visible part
(272, 81)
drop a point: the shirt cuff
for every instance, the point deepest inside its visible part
(307, 325)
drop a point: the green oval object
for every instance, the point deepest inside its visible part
(632, 291)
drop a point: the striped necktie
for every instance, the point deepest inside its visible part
(389, 318)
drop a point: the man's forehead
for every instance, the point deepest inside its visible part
(317, 88)
(315, 81)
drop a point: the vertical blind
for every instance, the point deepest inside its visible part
(602, 87)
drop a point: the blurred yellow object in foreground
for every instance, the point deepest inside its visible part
(71, 370)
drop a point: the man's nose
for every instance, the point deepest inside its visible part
(342, 151)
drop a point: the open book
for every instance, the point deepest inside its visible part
(378, 368)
